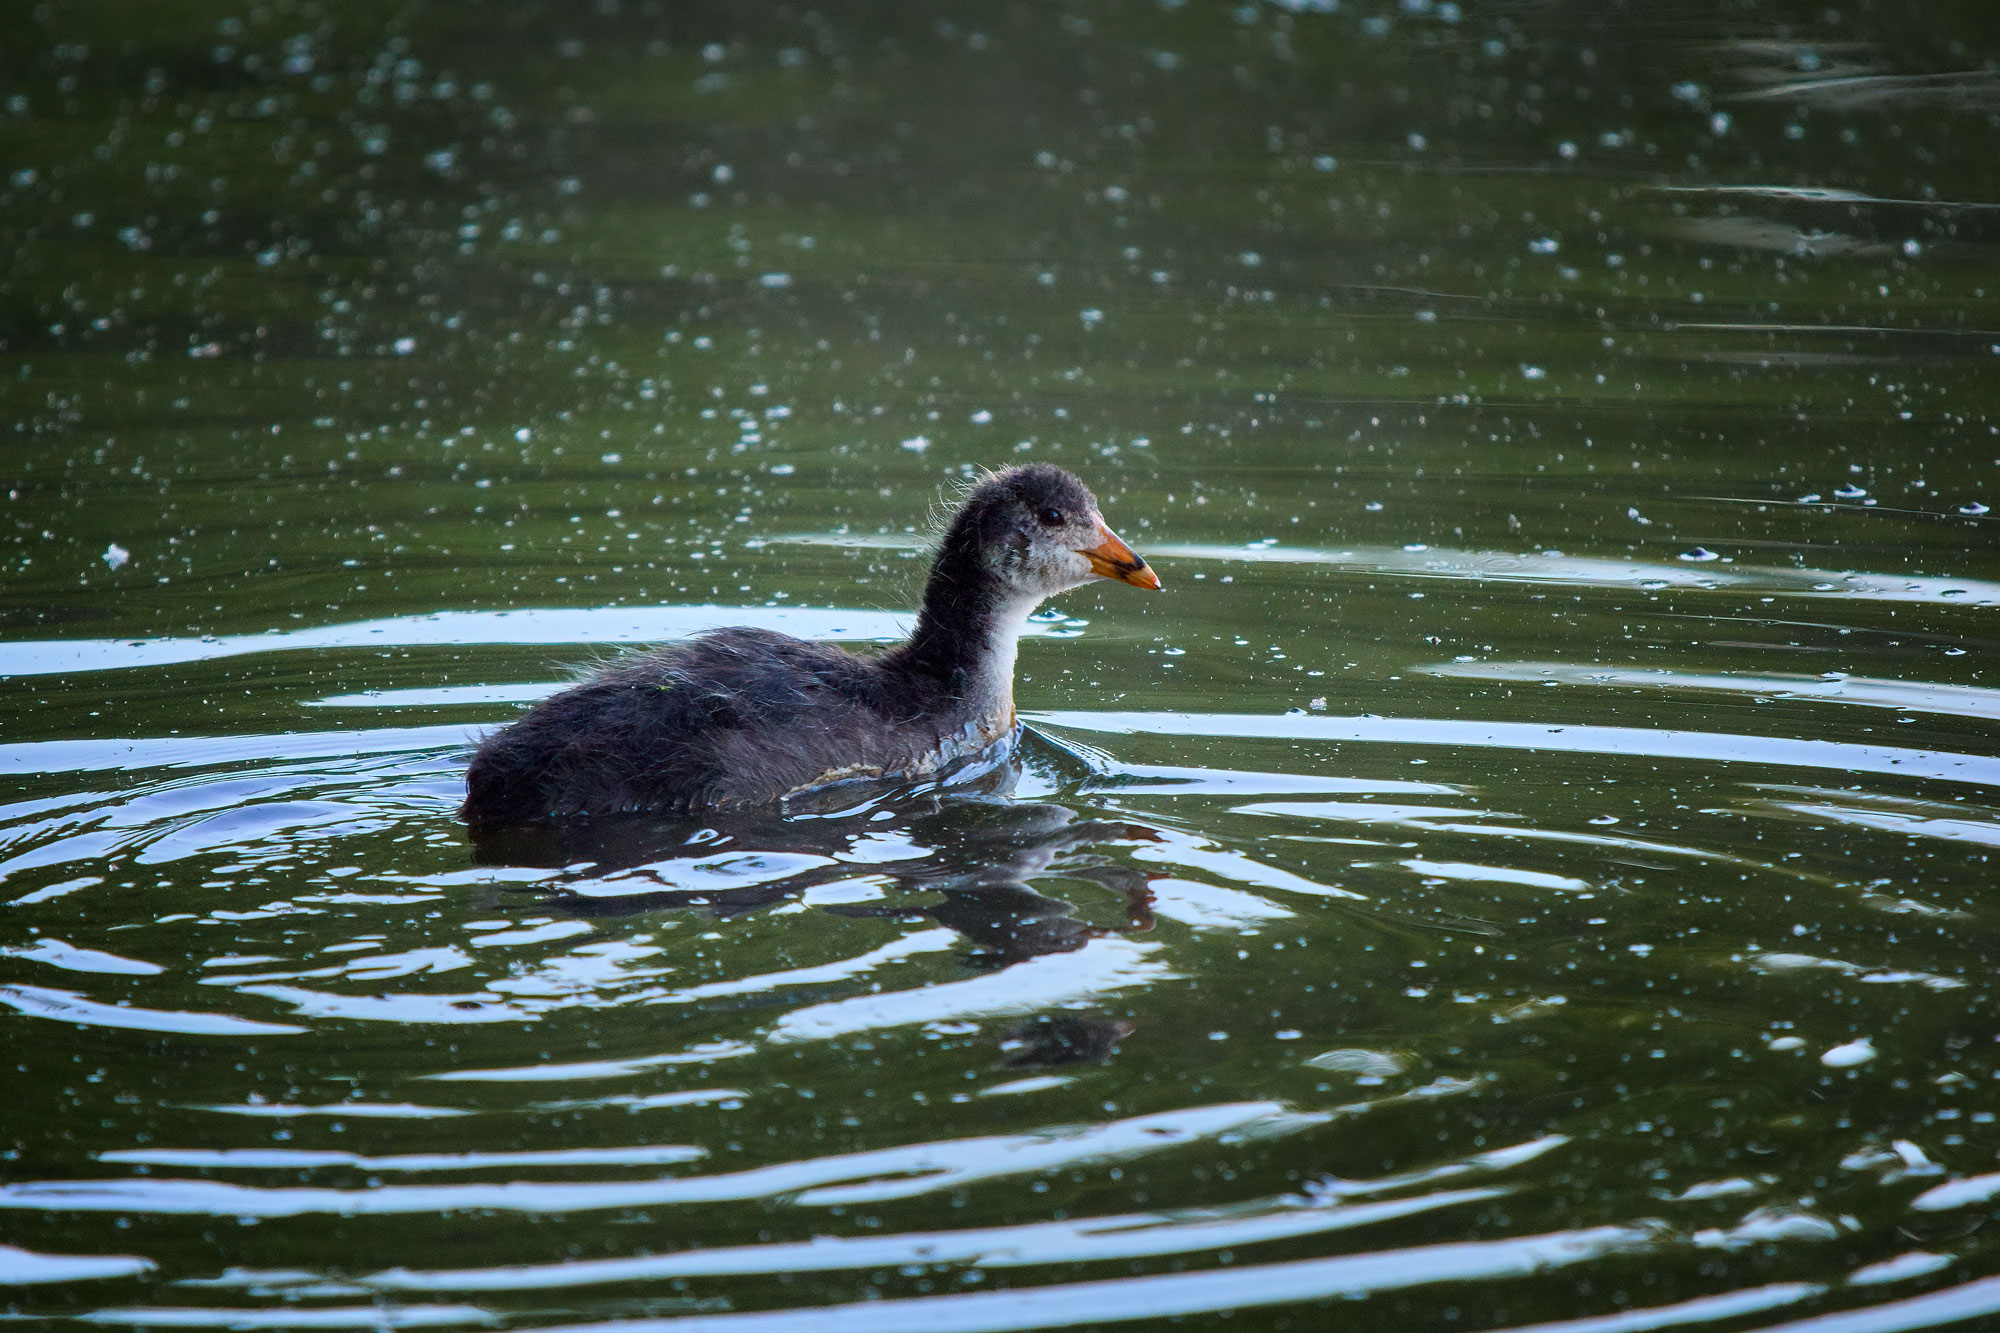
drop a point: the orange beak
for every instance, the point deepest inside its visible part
(1113, 559)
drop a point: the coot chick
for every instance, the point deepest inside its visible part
(740, 717)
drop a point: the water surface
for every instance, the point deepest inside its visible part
(1529, 869)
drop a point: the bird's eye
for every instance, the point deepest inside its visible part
(1051, 517)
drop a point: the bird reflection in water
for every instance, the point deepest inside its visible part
(966, 845)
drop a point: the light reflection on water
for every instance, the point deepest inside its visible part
(1547, 568)
(1051, 916)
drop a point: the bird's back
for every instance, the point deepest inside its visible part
(736, 716)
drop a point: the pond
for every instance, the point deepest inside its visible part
(1530, 867)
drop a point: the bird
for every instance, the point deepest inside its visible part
(744, 717)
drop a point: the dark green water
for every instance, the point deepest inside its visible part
(1532, 867)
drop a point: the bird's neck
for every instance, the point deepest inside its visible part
(964, 643)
